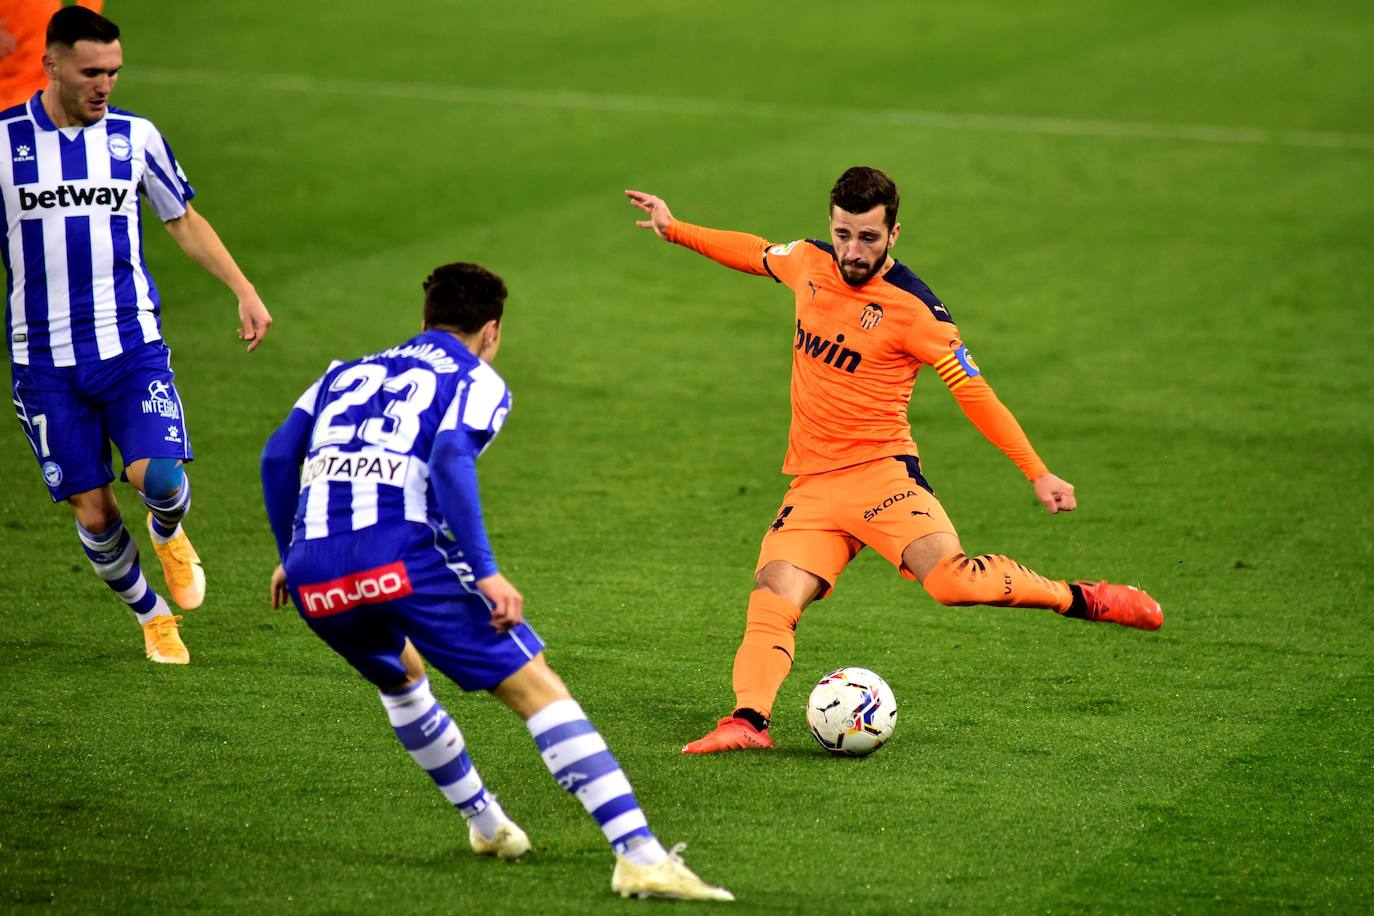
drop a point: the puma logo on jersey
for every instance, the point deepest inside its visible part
(827, 351)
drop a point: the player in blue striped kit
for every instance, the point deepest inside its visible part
(371, 492)
(87, 360)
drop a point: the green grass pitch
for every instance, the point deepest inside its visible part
(1153, 222)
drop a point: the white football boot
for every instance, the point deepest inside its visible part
(510, 842)
(670, 878)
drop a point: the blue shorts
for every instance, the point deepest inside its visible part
(71, 414)
(365, 609)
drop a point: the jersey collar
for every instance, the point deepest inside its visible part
(448, 342)
(39, 113)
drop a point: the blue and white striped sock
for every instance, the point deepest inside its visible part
(580, 762)
(432, 737)
(168, 513)
(114, 556)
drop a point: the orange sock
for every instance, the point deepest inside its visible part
(764, 658)
(997, 580)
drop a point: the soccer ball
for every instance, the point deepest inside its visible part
(851, 711)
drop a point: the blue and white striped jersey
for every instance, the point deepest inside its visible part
(375, 420)
(78, 289)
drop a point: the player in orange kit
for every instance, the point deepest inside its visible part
(23, 39)
(865, 324)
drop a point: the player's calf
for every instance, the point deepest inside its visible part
(166, 491)
(113, 554)
(577, 756)
(434, 741)
(581, 763)
(960, 580)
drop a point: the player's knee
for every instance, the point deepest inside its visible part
(957, 581)
(163, 478)
(553, 687)
(532, 688)
(771, 613)
(96, 510)
(786, 581)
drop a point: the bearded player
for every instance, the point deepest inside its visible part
(865, 325)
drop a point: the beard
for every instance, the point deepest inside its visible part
(857, 273)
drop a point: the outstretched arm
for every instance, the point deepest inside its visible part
(738, 250)
(202, 244)
(983, 408)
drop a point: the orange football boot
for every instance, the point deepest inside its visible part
(162, 643)
(1123, 604)
(730, 734)
(180, 568)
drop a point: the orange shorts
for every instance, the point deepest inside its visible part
(826, 519)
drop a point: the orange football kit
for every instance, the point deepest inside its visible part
(23, 31)
(857, 477)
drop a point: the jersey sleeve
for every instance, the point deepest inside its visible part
(281, 465)
(983, 408)
(164, 184)
(453, 475)
(479, 409)
(472, 420)
(738, 250)
(787, 263)
(938, 345)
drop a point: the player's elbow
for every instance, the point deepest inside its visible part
(451, 457)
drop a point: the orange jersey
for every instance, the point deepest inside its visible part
(856, 354)
(25, 22)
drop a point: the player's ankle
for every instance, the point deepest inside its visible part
(753, 717)
(1079, 608)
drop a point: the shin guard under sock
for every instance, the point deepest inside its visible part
(764, 657)
(997, 580)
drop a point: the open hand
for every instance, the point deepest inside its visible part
(659, 214)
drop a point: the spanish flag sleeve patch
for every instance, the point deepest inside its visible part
(957, 368)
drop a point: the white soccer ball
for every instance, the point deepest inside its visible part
(851, 711)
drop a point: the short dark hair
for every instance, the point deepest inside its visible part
(464, 297)
(862, 188)
(76, 23)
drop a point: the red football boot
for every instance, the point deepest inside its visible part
(1123, 604)
(730, 734)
